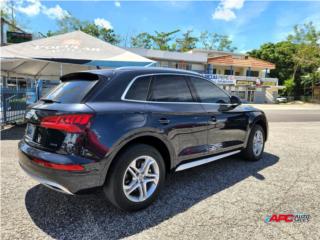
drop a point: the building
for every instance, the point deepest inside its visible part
(12, 34)
(239, 74)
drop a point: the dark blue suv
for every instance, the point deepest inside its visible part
(123, 130)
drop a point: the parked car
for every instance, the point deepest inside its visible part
(281, 100)
(124, 130)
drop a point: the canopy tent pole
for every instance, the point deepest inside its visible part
(61, 70)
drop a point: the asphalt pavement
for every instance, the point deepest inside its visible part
(227, 199)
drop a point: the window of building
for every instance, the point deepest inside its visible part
(228, 72)
(166, 88)
(139, 89)
(208, 92)
(252, 73)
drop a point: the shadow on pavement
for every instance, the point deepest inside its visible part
(90, 216)
(13, 132)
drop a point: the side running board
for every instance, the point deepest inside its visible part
(204, 160)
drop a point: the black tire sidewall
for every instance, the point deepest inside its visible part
(114, 186)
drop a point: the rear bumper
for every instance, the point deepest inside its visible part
(63, 181)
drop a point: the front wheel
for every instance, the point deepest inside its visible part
(255, 145)
(136, 178)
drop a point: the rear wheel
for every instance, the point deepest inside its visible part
(255, 145)
(136, 178)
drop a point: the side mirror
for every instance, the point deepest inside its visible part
(234, 100)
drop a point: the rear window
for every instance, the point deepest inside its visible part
(71, 91)
(139, 89)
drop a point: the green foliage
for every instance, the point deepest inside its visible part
(281, 55)
(296, 57)
(109, 36)
(161, 40)
(289, 84)
(214, 41)
(187, 42)
(142, 40)
(70, 23)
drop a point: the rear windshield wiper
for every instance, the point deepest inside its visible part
(46, 100)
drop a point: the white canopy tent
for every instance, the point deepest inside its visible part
(49, 58)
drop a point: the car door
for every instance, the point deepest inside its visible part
(174, 111)
(227, 126)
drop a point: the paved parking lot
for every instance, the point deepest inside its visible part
(224, 200)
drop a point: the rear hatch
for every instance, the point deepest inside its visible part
(60, 122)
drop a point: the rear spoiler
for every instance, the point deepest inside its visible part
(80, 76)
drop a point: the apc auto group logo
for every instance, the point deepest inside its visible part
(288, 218)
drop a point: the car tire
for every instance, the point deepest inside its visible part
(129, 172)
(254, 152)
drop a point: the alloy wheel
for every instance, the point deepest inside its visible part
(258, 143)
(141, 178)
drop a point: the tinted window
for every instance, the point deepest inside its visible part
(139, 89)
(166, 88)
(208, 92)
(71, 91)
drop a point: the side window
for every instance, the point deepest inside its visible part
(170, 88)
(208, 92)
(139, 89)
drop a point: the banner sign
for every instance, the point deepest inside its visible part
(18, 37)
(220, 79)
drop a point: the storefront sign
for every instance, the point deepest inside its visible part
(257, 83)
(245, 82)
(220, 79)
(268, 83)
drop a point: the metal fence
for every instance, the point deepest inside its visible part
(13, 104)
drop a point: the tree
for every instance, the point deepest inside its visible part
(289, 84)
(70, 23)
(298, 56)
(161, 40)
(142, 40)
(307, 54)
(214, 41)
(281, 55)
(8, 12)
(310, 80)
(187, 42)
(109, 36)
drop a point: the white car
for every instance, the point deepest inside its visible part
(281, 100)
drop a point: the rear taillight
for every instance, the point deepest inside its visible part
(64, 167)
(73, 123)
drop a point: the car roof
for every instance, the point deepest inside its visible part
(131, 70)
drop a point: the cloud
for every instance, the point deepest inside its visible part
(223, 14)
(117, 3)
(225, 9)
(55, 12)
(232, 4)
(101, 22)
(32, 8)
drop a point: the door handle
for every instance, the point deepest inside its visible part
(164, 121)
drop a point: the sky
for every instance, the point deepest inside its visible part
(248, 23)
